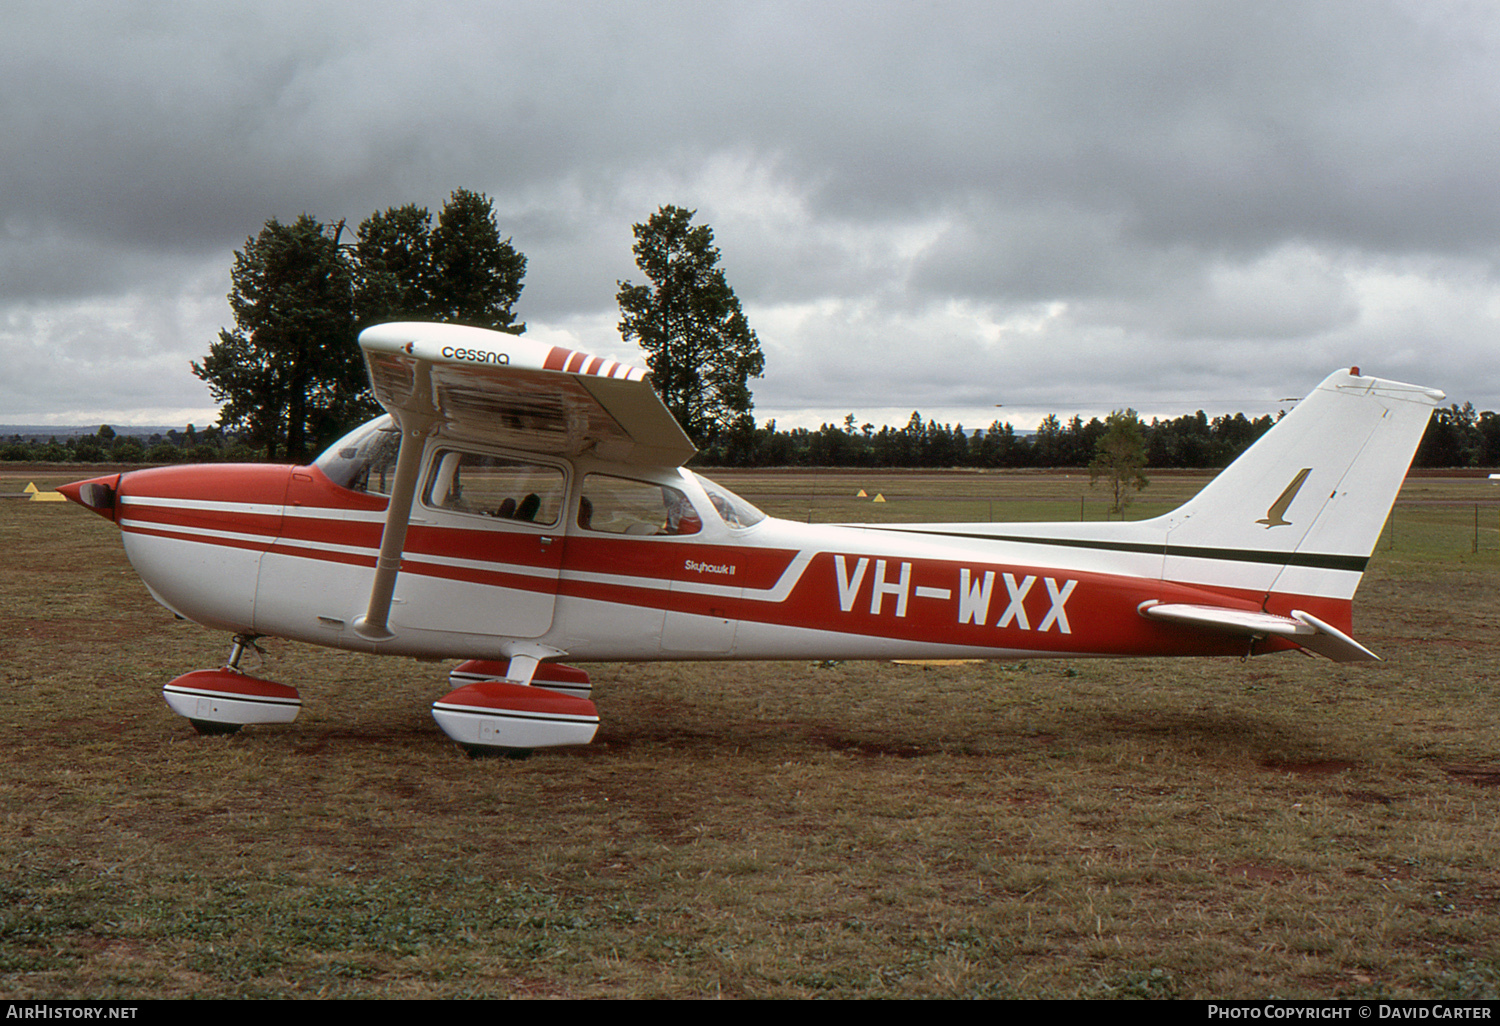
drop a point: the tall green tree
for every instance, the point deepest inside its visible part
(1120, 458)
(289, 374)
(458, 272)
(476, 277)
(393, 257)
(700, 348)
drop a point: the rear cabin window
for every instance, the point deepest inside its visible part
(620, 505)
(496, 486)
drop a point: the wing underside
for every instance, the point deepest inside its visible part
(507, 390)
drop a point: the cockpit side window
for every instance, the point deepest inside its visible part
(495, 486)
(618, 505)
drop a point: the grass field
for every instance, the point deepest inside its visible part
(1209, 828)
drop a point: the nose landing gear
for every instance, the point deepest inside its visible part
(221, 701)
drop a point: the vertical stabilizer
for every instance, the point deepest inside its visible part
(1301, 510)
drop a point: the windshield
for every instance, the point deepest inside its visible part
(365, 459)
(732, 509)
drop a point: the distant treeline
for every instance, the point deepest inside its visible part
(1192, 441)
(210, 445)
(1456, 437)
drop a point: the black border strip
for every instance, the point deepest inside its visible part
(1317, 561)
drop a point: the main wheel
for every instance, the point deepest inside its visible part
(208, 728)
(492, 752)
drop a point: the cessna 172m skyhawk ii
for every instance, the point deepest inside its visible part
(523, 504)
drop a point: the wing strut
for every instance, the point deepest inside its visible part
(416, 426)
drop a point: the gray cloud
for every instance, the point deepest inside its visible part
(1088, 202)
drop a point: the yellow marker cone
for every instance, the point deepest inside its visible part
(38, 495)
(878, 498)
(865, 495)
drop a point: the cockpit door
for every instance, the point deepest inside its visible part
(484, 547)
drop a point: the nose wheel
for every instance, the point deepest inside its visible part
(219, 702)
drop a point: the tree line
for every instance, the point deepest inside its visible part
(1192, 441)
(1457, 437)
(210, 445)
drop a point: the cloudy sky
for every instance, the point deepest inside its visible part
(1062, 206)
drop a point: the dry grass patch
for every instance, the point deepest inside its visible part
(1192, 829)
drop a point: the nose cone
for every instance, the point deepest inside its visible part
(98, 494)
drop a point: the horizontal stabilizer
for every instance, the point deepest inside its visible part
(1301, 628)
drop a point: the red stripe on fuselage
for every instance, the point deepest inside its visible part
(257, 545)
(1039, 608)
(492, 546)
(324, 555)
(135, 516)
(322, 531)
(1056, 611)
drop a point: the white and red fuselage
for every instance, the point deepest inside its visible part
(282, 551)
(525, 504)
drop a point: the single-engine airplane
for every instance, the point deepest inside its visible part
(521, 504)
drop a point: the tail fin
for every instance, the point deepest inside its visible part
(1275, 546)
(1300, 511)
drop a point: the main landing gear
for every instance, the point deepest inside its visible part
(492, 713)
(224, 700)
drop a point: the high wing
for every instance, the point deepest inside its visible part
(472, 384)
(507, 390)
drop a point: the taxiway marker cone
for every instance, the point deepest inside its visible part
(37, 495)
